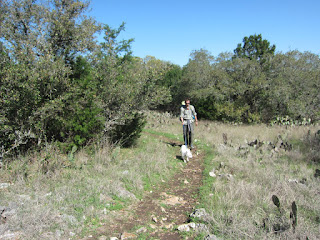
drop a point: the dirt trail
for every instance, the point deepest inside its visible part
(168, 206)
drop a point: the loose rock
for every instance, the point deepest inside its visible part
(184, 228)
(211, 237)
(142, 230)
(126, 235)
(201, 214)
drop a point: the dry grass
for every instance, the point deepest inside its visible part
(54, 196)
(244, 203)
(241, 205)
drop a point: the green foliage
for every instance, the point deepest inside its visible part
(57, 84)
(253, 85)
(289, 121)
(255, 48)
(129, 131)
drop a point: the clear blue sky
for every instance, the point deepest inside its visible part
(171, 29)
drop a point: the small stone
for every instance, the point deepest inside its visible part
(153, 226)
(142, 230)
(293, 181)
(168, 226)
(102, 238)
(201, 214)
(192, 225)
(186, 181)
(155, 219)
(222, 165)
(211, 237)
(48, 194)
(126, 235)
(229, 176)
(200, 227)
(114, 238)
(104, 211)
(163, 209)
(4, 185)
(184, 228)
(164, 219)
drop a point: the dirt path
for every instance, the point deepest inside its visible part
(161, 211)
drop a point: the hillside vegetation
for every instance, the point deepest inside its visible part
(52, 195)
(58, 84)
(246, 166)
(72, 113)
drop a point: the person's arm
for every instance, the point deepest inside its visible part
(195, 115)
(181, 115)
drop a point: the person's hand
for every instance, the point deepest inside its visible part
(196, 123)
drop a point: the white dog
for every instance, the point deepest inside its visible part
(185, 153)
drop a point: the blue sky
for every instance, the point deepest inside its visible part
(171, 29)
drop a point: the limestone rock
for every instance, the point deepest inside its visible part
(102, 238)
(198, 227)
(211, 237)
(201, 214)
(184, 228)
(142, 230)
(126, 235)
(4, 185)
(212, 174)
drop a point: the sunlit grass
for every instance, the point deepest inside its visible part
(241, 207)
(78, 197)
(57, 197)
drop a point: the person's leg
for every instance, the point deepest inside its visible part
(188, 137)
(191, 134)
(185, 136)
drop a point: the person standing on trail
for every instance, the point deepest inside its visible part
(188, 116)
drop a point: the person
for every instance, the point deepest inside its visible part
(188, 116)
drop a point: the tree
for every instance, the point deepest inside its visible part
(41, 40)
(197, 74)
(255, 48)
(295, 86)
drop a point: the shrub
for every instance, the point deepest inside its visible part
(127, 132)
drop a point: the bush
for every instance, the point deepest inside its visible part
(129, 130)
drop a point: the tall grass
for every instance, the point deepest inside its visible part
(239, 199)
(241, 207)
(54, 196)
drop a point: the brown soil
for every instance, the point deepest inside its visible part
(166, 207)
